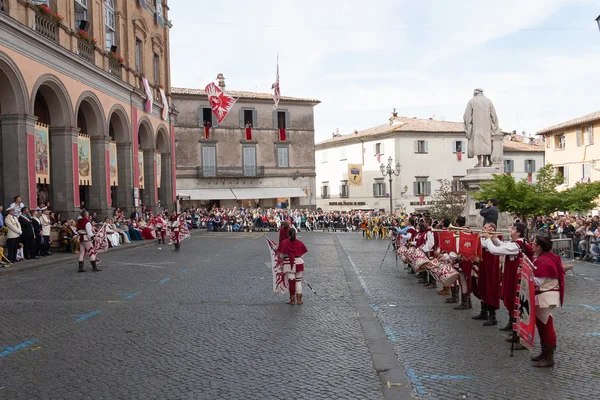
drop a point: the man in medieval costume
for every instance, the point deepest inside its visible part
(481, 122)
(85, 231)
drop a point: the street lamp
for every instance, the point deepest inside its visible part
(390, 173)
(598, 21)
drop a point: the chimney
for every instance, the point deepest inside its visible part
(355, 132)
(221, 80)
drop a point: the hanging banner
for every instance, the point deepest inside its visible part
(114, 167)
(157, 158)
(355, 174)
(149, 97)
(165, 111)
(469, 246)
(85, 160)
(141, 167)
(447, 242)
(42, 153)
(525, 304)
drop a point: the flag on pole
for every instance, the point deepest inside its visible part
(220, 103)
(275, 87)
(280, 284)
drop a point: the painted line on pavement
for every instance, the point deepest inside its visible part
(131, 296)
(593, 334)
(185, 270)
(446, 377)
(594, 308)
(165, 281)
(415, 381)
(8, 350)
(83, 317)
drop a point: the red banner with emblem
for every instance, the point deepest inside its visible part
(525, 303)
(447, 241)
(469, 246)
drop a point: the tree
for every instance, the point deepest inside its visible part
(541, 198)
(448, 200)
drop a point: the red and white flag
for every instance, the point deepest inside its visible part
(275, 87)
(280, 284)
(100, 240)
(525, 303)
(220, 103)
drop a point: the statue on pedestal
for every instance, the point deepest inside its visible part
(481, 123)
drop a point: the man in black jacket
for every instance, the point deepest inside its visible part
(28, 235)
(490, 212)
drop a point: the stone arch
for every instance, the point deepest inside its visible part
(145, 134)
(163, 144)
(14, 98)
(89, 106)
(119, 125)
(57, 101)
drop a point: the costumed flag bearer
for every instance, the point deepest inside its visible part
(292, 250)
(86, 234)
(174, 225)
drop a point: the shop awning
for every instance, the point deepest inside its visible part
(267, 193)
(208, 194)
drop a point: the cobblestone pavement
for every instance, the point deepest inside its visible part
(204, 324)
(447, 355)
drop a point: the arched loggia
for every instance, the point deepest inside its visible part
(146, 151)
(163, 147)
(121, 172)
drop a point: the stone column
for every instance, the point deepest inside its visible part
(149, 195)
(99, 192)
(14, 173)
(64, 183)
(124, 196)
(498, 152)
(165, 192)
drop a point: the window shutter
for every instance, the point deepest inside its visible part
(591, 134)
(454, 146)
(322, 191)
(527, 166)
(374, 190)
(254, 119)
(242, 124)
(426, 150)
(416, 146)
(533, 166)
(374, 149)
(428, 188)
(578, 136)
(200, 116)
(275, 123)
(512, 165)
(416, 188)
(381, 150)
(566, 175)
(288, 120)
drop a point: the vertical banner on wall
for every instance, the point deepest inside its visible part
(155, 175)
(75, 161)
(31, 170)
(165, 111)
(107, 177)
(149, 98)
(158, 159)
(114, 166)
(140, 162)
(173, 164)
(42, 153)
(84, 158)
(354, 174)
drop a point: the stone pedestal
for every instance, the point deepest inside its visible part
(472, 182)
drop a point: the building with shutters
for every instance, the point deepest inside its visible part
(257, 156)
(84, 104)
(522, 159)
(348, 174)
(571, 148)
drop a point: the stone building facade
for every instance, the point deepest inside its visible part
(258, 156)
(78, 122)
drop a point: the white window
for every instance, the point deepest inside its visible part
(248, 118)
(586, 172)
(530, 166)
(109, 23)
(249, 161)
(40, 2)
(579, 137)
(138, 55)
(589, 135)
(156, 69)
(560, 142)
(324, 156)
(325, 190)
(422, 186)
(509, 166)
(379, 188)
(209, 164)
(344, 192)
(378, 149)
(283, 157)
(458, 146)
(81, 12)
(421, 146)
(343, 155)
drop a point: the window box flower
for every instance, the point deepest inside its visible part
(116, 57)
(45, 10)
(83, 35)
(57, 18)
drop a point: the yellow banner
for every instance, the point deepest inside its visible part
(42, 153)
(157, 158)
(141, 168)
(114, 167)
(85, 160)
(355, 174)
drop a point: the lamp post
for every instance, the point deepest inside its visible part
(598, 21)
(390, 172)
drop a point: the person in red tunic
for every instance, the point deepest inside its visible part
(549, 293)
(292, 250)
(284, 231)
(511, 252)
(174, 225)
(160, 227)
(488, 282)
(86, 245)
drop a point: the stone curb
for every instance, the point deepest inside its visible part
(60, 258)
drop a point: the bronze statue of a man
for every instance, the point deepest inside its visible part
(481, 122)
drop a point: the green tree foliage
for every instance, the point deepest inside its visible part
(448, 200)
(541, 198)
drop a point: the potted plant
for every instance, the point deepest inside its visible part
(44, 9)
(57, 18)
(86, 36)
(116, 57)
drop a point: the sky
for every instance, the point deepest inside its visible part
(537, 60)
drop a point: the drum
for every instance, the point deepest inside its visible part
(421, 261)
(448, 275)
(402, 253)
(434, 268)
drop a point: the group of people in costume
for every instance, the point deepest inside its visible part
(480, 263)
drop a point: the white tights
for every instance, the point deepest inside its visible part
(86, 248)
(298, 277)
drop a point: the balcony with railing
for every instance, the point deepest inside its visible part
(114, 68)
(85, 50)
(230, 172)
(46, 27)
